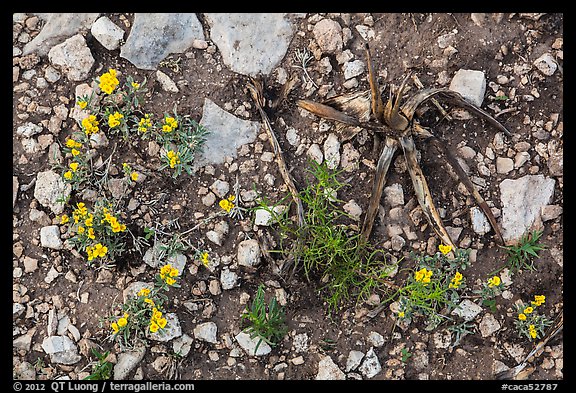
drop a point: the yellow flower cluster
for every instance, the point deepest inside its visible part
(170, 124)
(113, 221)
(204, 259)
(532, 331)
(96, 251)
(122, 321)
(71, 143)
(167, 274)
(82, 103)
(114, 119)
(157, 321)
(90, 125)
(135, 85)
(456, 280)
(173, 157)
(144, 123)
(108, 81)
(494, 281)
(423, 275)
(538, 300)
(80, 212)
(444, 249)
(227, 204)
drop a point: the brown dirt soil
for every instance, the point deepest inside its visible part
(402, 40)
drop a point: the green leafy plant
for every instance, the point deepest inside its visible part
(406, 355)
(491, 288)
(326, 248)
(268, 323)
(144, 313)
(521, 255)
(102, 369)
(431, 289)
(529, 322)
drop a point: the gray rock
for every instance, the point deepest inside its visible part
(521, 158)
(353, 68)
(226, 134)
(215, 237)
(354, 359)
(467, 309)
(292, 136)
(107, 33)
(332, 151)
(471, 84)
(178, 262)
(249, 253)
(51, 190)
(127, 361)
(328, 35)
(170, 331)
(133, 288)
(328, 370)
(370, 366)
(24, 341)
(488, 325)
(550, 212)
(50, 237)
(73, 58)
(182, 345)
(546, 64)
(220, 188)
(556, 163)
(376, 339)
(61, 349)
(521, 201)
(58, 27)
(349, 160)
(480, 223)
(206, 331)
(156, 35)
(249, 344)
(24, 371)
(251, 43)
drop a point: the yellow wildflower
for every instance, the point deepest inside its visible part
(64, 219)
(170, 281)
(401, 314)
(144, 123)
(82, 104)
(108, 81)
(99, 250)
(149, 301)
(74, 166)
(456, 281)
(75, 152)
(538, 300)
(114, 119)
(522, 317)
(173, 272)
(494, 281)
(423, 275)
(204, 258)
(114, 327)
(162, 322)
(135, 85)
(134, 176)
(153, 327)
(528, 310)
(122, 322)
(68, 175)
(90, 124)
(444, 249)
(173, 157)
(532, 331)
(91, 233)
(144, 292)
(81, 230)
(226, 204)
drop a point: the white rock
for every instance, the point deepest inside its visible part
(182, 345)
(249, 253)
(488, 325)
(328, 35)
(442, 339)
(394, 195)
(50, 237)
(52, 275)
(354, 360)
(73, 57)
(292, 136)
(504, 165)
(480, 223)
(353, 209)
(328, 370)
(522, 200)
(28, 130)
(127, 361)
(215, 237)
(315, 153)
(61, 349)
(249, 344)
(15, 186)
(370, 366)
(228, 278)
(50, 190)
(471, 84)
(467, 309)
(332, 151)
(134, 287)
(107, 33)
(376, 339)
(166, 82)
(546, 64)
(206, 331)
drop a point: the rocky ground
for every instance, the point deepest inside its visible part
(511, 65)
